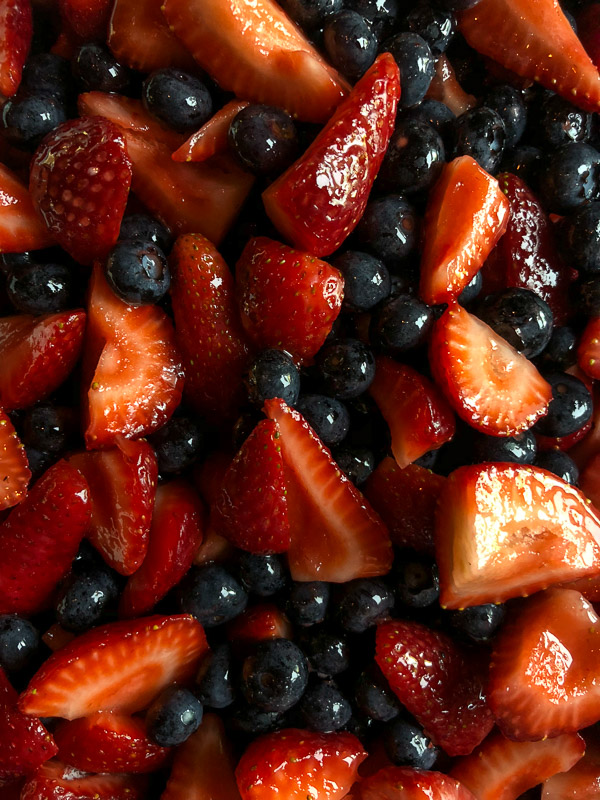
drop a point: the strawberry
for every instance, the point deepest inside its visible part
(503, 770)
(534, 40)
(122, 484)
(106, 742)
(208, 329)
(255, 624)
(79, 182)
(506, 530)
(16, 28)
(86, 19)
(588, 30)
(208, 476)
(287, 299)
(438, 683)
(174, 538)
(132, 364)
(393, 783)
(214, 547)
(297, 764)
(274, 64)
(419, 417)
(57, 781)
(39, 539)
(251, 508)
(213, 135)
(14, 466)
(588, 353)
(57, 637)
(335, 534)
(445, 88)
(120, 667)
(582, 780)
(21, 227)
(466, 215)
(491, 386)
(589, 480)
(320, 199)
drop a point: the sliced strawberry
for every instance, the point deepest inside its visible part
(438, 683)
(208, 329)
(466, 215)
(87, 19)
(320, 199)
(214, 547)
(57, 637)
(581, 781)
(120, 667)
(404, 783)
(534, 40)
(54, 780)
(16, 28)
(174, 539)
(506, 530)
(418, 415)
(79, 182)
(297, 764)
(122, 485)
(133, 364)
(287, 299)
(491, 386)
(14, 466)
(21, 227)
(588, 30)
(335, 534)
(503, 770)
(212, 137)
(39, 539)
(445, 88)
(255, 624)
(588, 353)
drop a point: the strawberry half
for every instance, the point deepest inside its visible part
(55, 780)
(466, 215)
(79, 182)
(396, 783)
(287, 299)
(14, 466)
(21, 227)
(39, 539)
(16, 28)
(438, 683)
(506, 530)
(335, 534)
(320, 199)
(86, 19)
(261, 621)
(213, 136)
(445, 88)
(581, 781)
(120, 667)
(491, 386)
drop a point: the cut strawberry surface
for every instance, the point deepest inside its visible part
(320, 199)
(212, 137)
(263, 621)
(404, 783)
(55, 780)
(581, 781)
(491, 386)
(120, 667)
(16, 28)
(445, 88)
(335, 534)
(87, 19)
(21, 227)
(14, 466)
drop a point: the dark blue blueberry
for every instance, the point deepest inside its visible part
(310, 14)
(307, 602)
(560, 464)
(381, 14)
(264, 139)
(273, 374)
(212, 595)
(146, 228)
(12, 261)
(580, 237)
(347, 368)
(561, 350)
(363, 603)
(97, 70)
(19, 642)
(366, 280)
(570, 408)
(350, 43)
(87, 559)
(328, 417)
(479, 623)
(587, 296)
(138, 272)
(401, 324)
(374, 697)
(560, 123)
(86, 598)
(389, 229)
(480, 134)
(571, 177)
(519, 449)
(41, 288)
(435, 114)
(327, 651)
(177, 99)
(215, 681)
(324, 708)
(415, 581)
(49, 428)
(525, 161)
(173, 716)
(177, 444)
(414, 158)
(357, 463)
(253, 721)
(510, 105)
(416, 64)
(26, 120)
(39, 461)
(471, 290)
(519, 316)
(275, 675)
(262, 575)
(47, 74)
(407, 745)
(435, 25)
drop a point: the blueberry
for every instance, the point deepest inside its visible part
(366, 280)
(414, 158)
(273, 373)
(252, 720)
(347, 368)
(26, 120)
(569, 409)
(416, 64)
(327, 651)
(401, 324)
(560, 123)
(307, 602)
(264, 139)
(177, 445)
(275, 675)
(262, 575)
(177, 99)
(47, 74)
(357, 463)
(389, 228)
(364, 602)
(85, 599)
(328, 417)
(19, 642)
(479, 623)
(407, 745)
(137, 271)
(12, 261)
(350, 43)
(525, 161)
(146, 228)
(571, 177)
(519, 316)
(587, 296)
(435, 25)
(415, 580)
(97, 70)
(480, 134)
(561, 350)
(560, 464)
(311, 14)
(380, 14)
(173, 716)
(519, 449)
(580, 235)
(324, 708)
(435, 114)
(472, 290)
(212, 595)
(39, 461)
(49, 428)
(215, 681)
(41, 288)
(374, 697)
(509, 104)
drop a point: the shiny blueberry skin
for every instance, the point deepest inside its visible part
(519, 316)
(347, 368)
(374, 697)
(560, 123)
(307, 602)
(97, 70)
(137, 272)
(416, 64)
(519, 449)
(323, 707)
(251, 720)
(570, 178)
(587, 296)
(328, 417)
(414, 158)
(435, 114)
(86, 598)
(311, 14)
(49, 428)
(177, 99)
(216, 687)
(363, 603)
(173, 716)
(49, 74)
(19, 642)
(350, 43)
(580, 237)
(508, 103)
(561, 350)
(380, 14)
(560, 464)
(262, 575)
(212, 595)
(273, 373)
(366, 280)
(570, 408)
(401, 324)
(480, 134)
(41, 288)
(525, 161)
(479, 623)
(275, 675)
(357, 463)
(407, 746)
(327, 651)
(415, 581)
(435, 25)
(472, 290)
(177, 445)
(26, 120)
(264, 139)
(145, 227)
(389, 228)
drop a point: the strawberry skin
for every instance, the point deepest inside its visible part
(57, 781)
(16, 28)
(14, 467)
(21, 227)
(120, 667)
(445, 88)
(588, 352)
(582, 780)
(39, 539)
(213, 136)
(393, 783)
(87, 19)
(320, 199)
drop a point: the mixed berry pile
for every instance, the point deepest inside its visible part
(299, 431)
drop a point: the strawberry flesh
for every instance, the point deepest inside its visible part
(391, 783)
(14, 466)
(57, 781)
(16, 28)
(21, 227)
(213, 136)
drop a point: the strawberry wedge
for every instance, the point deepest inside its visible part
(14, 466)
(21, 227)
(16, 27)
(212, 137)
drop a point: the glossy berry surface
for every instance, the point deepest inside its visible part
(347, 368)
(480, 133)
(273, 373)
(328, 417)
(374, 697)
(217, 678)
(177, 99)
(350, 43)
(414, 158)
(479, 623)
(86, 599)
(311, 14)
(520, 449)
(389, 228)
(307, 602)
(212, 594)
(328, 652)
(381, 14)
(521, 317)
(415, 582)
(137, 271)
(264, 139)
(262, 575)
(275, 675)
(560, 464)
(401, 323)
(364, 603)
(580, 232)
(508, 103)
(416, 64)
(19, 642)
(97, 69)
(26, 120)
(435, 25)
(173, 717)
(407, 745)
(356, 462)
(570, 408)
(571, 177)
(323, 707)
(366, 280)
(41, 288)
(49, 74)
(146, 228)
(562, 123)
(177, 445)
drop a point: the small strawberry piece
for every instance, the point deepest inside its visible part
(534, 40)
(208, 329)
(122, 485)
(120, 667)
(506, 530)
(214, 547)
(57, 781)
(21, 227)
(14, 466)
(503, 770)
(297, 764)
(174, 538)
(79, 182)
(581, 781)
(403, 783)
(445, 88)
(335, 534)
(16, 28)
(406, 500)
(39, 539)
(438, 683)
(320, 199)
(212, 137)
(262, 621)
(466, 215)
(87, 19)
(588, 353)
(57, 637)
(491, 386)
(107, 742)
(588, 30)
(133, 367)
(418, 415)
(251, 508)
(287, 299)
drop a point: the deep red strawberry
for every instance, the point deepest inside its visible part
(213, 135)
(21, 227)
(57, 781)
(122, 484)
(335, 534)
(175, 535)
(87, 19)
(581, 781)
(418, 415)
(438, 683)
(491, 386)
(251, 507)
(394, 783)
(445, 88)
(39, 539)
(14, 466)
(505, 530)
(466, 215)
(120, 667)
(255, 624)
(57, 637)
(16, 27)
(320, 199)
(79, 182)
(287, 299)
(588, 30)
(588, 353)
(589, 480)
